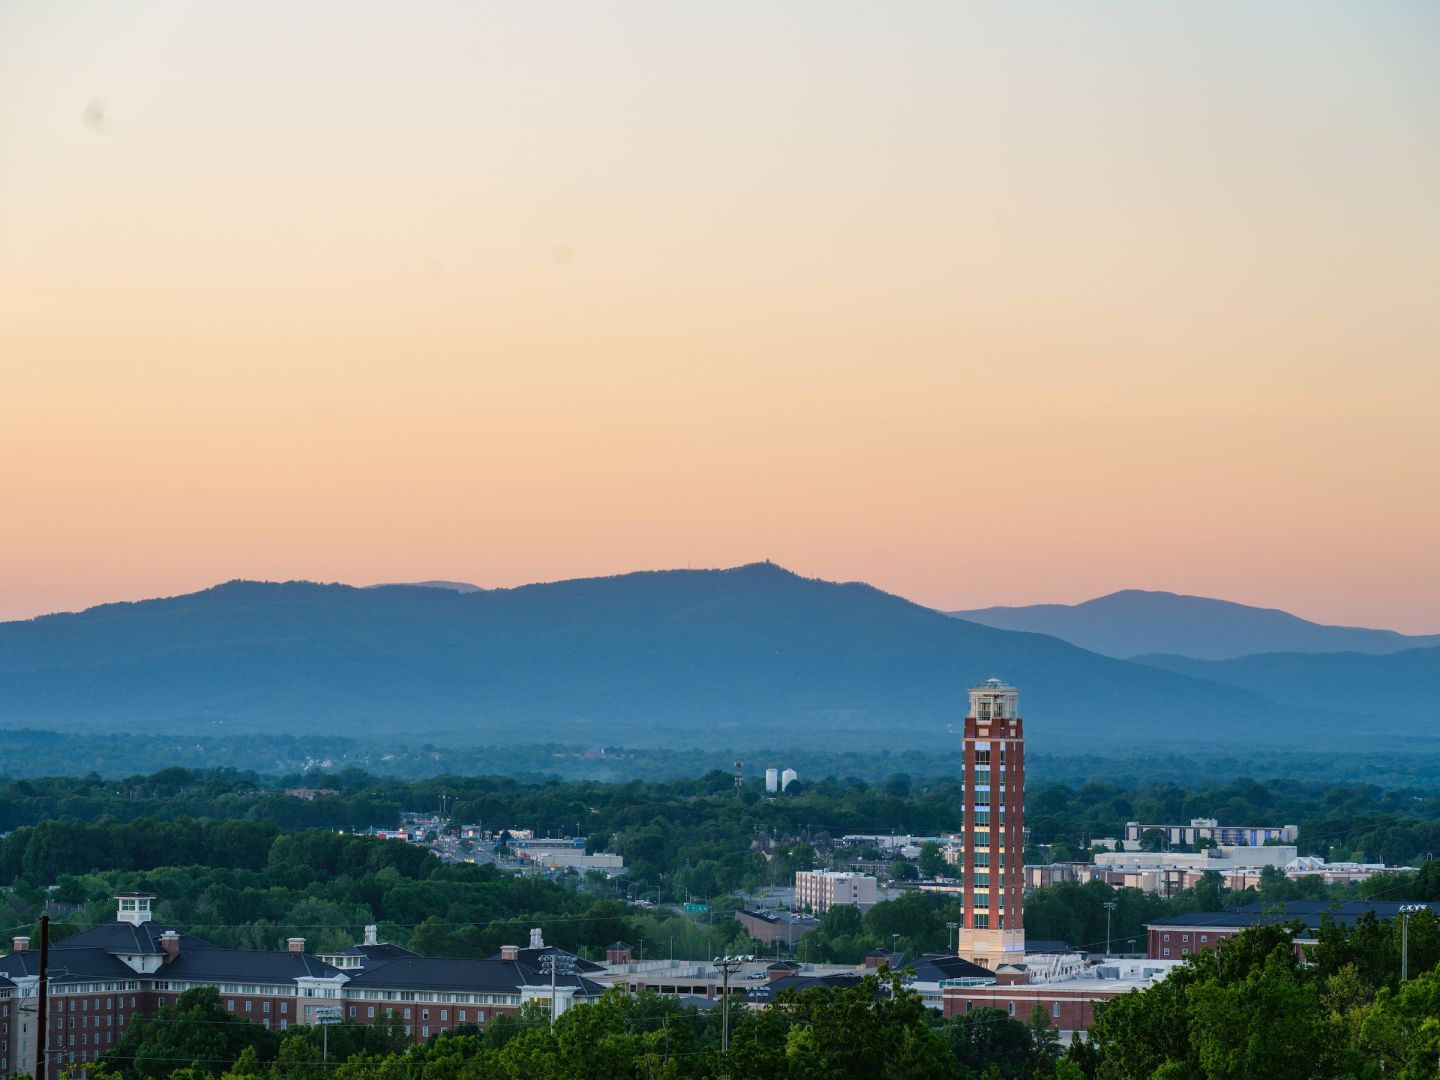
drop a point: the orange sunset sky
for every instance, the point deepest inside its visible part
(981, 303)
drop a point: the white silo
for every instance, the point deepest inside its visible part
(787, 777)
(772, 781)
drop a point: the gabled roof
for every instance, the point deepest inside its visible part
(372, 956)
(125, 938)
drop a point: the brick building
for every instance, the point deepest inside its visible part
(1068, 999)
(103, 978)
(1179, 936)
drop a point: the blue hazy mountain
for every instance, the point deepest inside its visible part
(1135, 622)
(752, 656)
(1404, 684)
(453, 586)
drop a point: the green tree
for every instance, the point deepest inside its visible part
(196, 1029)
(932, 860)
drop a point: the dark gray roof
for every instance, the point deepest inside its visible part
(1046, 947)
(247, 965)
(372, 956)
(446, 973)
(767, 992)
(120, 937)
(1309, 912)
(948, 966)
(92, 953)
(531, 958)
(67, 965)
(781, 917)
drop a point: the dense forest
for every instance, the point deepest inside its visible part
(661, 827)
(233, 859)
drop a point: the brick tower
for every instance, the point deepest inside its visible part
(993, 854)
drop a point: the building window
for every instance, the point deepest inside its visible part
(1055, 1010)
(352, 1010)
(1012, 1008)
(249, 1006)
(1167, 937)
(444, 1015)
(425, 1032)
(407, 1017)
(1165, 951)
(424, 1014)
(1204, 939)
(462, 1016)
(370, 1012)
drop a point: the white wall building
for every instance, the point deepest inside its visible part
(818, 890)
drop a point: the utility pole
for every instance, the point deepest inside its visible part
(1109, 910)
(42, 1016)
(727, 966)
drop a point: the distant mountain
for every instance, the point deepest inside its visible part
(1135, 622)
(753, 656)
(453, 586)
(1405, 684)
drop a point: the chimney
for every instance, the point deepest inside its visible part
(537, 939)
(21, 944)
(295, 944)
(509, 952)
(170, 946)
(371, 934)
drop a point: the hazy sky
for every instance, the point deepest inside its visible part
(990, 303)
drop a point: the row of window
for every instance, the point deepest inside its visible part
(980, 920)
(1054, 1008)
(85, 1021)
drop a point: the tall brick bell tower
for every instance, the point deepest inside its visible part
(993, 855)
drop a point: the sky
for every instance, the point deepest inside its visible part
(980, 303)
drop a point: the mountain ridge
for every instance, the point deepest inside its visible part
(653, 658)
(1135, 622)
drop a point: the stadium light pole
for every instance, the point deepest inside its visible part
(952, 927)
(1109, 910)
(1406, 910)
(556, 964)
